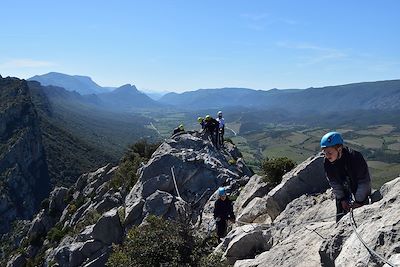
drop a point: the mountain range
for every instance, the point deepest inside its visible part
(380, 95)
(81, 84)
(126, 98)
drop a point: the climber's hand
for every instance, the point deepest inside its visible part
(345, 205)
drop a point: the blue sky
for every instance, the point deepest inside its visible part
(187, 45)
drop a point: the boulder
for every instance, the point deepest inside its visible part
(158, 203)
(306, 234)
(255, 187)
(198, 168)
(245, 242)
(294, 241)
(18, 260)
(306, 178)
(108, 228)
(256, 208)
(57, 200)
(378, 225)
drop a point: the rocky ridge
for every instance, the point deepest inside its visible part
(24, 180)
(305, 233)
(292, 224)
(79, 225)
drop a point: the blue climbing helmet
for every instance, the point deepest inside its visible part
(331, 139)
(221, 191)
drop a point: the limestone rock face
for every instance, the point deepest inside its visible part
(244, 242)
(306, 178)
(92, 215)
(199, 169)
(306, 234)
(24, 179)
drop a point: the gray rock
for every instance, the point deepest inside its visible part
(394, 259)
(199, 169)
(256, 208)
(134, 210)
(76, 257)
(90, 247)
(255, 187)
(296, 243)
(245, 242)
(41, 224)
(25, 180)
(99, 261)
(108, 228)
(57, 200)
(242, 167)
(306, 178)
(18, 260)
(107, 203)
(305, 233)
(158, 203)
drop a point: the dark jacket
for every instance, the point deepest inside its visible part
(349, 175)
(177, 130)
(224, 209)
(211, 125)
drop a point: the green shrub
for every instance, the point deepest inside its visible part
(275, 168)
(55, 234)
(91, 217)
(231, 161)
(137, 153)
(144, 149)
(160, 242)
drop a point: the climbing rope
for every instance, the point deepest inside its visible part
(176, 186)
(279, 224)
(370, 250)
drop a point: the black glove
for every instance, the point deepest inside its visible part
(345, 205)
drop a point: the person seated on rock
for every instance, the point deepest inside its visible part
(221, 129)
(211, 126)
(347, 174)
(223, 211)
(178, 129)
(201, 122)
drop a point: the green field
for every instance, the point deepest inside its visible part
(380, 144)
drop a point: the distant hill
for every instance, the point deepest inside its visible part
(127, 98)
(85, 117)
(380, 95)
(81, 84)
(155, 95)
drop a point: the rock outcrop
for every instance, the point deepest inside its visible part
(198, 168)
(24, 180)
(306, 234)
(306, 178)
(79, 225)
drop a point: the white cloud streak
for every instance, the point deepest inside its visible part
(321, 54)
(259, 22)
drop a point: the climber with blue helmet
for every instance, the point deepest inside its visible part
(223, 211)
(347, 174)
